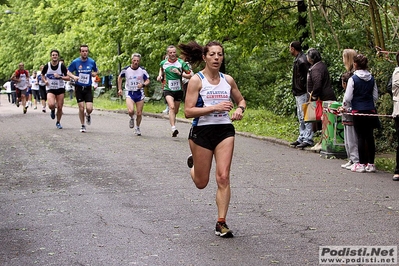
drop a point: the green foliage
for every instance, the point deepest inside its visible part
(255, 35)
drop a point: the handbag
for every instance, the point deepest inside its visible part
(312, 110)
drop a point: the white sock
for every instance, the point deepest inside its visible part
(173, 128)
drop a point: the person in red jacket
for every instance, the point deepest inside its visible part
(21, 79)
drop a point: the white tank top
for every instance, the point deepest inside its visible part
(54, 83)
(211, 95)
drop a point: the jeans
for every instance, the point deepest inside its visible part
(305, 129)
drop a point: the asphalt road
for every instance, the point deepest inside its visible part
(108, 197)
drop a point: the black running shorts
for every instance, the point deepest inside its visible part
(210, 136)
(57, 91)
(177, 95)
(83, 94)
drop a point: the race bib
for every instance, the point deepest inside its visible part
(84, 78)
(174, 85)
(132, 85)
(53, 84)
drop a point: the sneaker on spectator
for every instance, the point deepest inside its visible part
(223, 230)
(358, 168)
(83, 129)
(348, 164)
(131, 123)
(137, 131)
(370, 168)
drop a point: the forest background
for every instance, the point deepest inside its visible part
(255, 34)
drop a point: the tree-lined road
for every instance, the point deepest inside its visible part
(107, 197)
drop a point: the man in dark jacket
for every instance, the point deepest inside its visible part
(299, 90)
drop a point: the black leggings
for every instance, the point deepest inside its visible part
(364, 127)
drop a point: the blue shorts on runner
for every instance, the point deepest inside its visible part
(136, 96)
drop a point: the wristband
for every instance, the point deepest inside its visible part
(242, 108)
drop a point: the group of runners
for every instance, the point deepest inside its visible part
(51, 82)
(210, 100)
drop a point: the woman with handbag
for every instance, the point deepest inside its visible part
(318, 83)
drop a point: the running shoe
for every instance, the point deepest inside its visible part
(83, 129)
(35, 108)
(52, 114)
(223, 230)
(175, 132)
(24, 110)
(190, 161)
(358, 168)
(88, 120)
(44, 109)
(131, 123)
(370, 168)
(58, 125)
(137, 131)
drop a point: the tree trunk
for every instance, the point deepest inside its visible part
(311, 26)
(373, 24)
(302, 20)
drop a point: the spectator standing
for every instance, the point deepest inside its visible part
(318, 83)
(350, 137)
(362, 93)
(395, 114)
(81, 70)
(7, 87)
(299, 90)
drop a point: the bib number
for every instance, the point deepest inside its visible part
(174, 85)
(53, 84)
(84, 78)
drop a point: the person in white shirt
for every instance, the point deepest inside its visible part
(7, 87)
(136, 78)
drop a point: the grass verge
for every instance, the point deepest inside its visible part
(258, 122)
